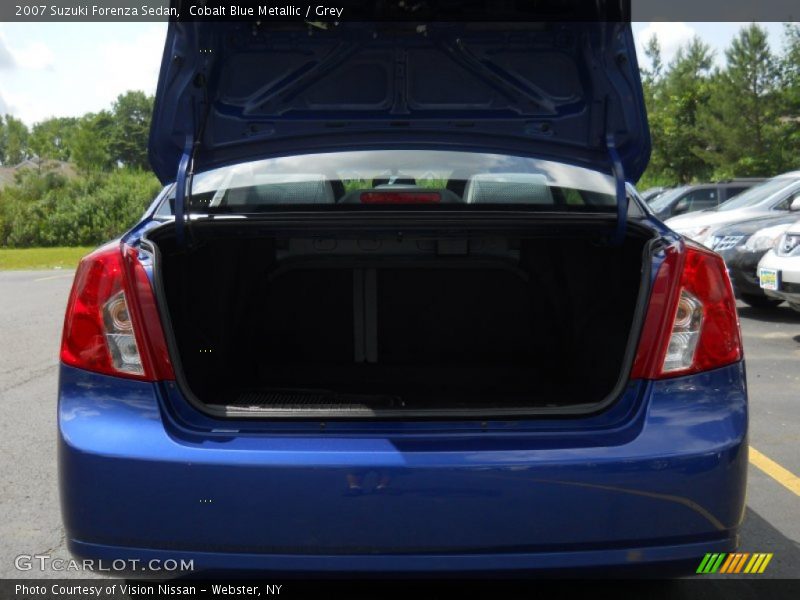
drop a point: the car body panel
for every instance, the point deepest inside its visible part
(795, 228)
(230, 92)
(714, 219)
(626, 561)
(675, 480)
(749, 227)
(743, 271)
(730, 242)
(788, 268)
(710, 221)
(703, 196)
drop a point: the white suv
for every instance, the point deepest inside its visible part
(779, 270)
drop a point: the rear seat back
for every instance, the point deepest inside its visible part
(295, 189)
(508, 188)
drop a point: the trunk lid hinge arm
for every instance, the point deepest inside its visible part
(183, 180)
(618, 236)
(185, 168)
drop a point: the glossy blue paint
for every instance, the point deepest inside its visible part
(548, 90)
(471, 564)
(664, 479)
(658, 476)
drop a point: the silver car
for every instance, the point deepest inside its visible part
(769, 198)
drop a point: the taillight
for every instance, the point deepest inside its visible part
(112, 325)
(385, 197)
(691, 323)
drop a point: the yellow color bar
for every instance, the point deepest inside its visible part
(752, 566)
(764, 564)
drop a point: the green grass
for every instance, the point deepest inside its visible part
(40, 258)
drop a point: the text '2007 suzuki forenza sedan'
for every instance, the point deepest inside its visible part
(397, 310)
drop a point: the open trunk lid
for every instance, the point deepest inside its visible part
(567, 91)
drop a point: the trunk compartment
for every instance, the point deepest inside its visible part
(320, 326)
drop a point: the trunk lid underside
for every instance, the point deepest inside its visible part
(565, 91)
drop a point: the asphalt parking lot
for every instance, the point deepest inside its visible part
(31, 311)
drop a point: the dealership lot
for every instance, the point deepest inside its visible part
(31, 310)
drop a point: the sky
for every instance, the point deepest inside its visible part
(58, 69)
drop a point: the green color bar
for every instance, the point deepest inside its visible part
(718, 563)
(701, 568)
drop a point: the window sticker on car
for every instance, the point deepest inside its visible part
(769, 279)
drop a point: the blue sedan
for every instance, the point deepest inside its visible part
(398, 310)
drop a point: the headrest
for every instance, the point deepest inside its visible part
(289, 189)
(508, 188)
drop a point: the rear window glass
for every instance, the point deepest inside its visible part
(665, 199)
(758, 194)
(399, 177)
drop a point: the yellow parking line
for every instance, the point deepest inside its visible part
(783, 476)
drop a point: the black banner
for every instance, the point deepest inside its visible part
(399, 10)
(653, 589)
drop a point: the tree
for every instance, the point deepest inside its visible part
(2, 141)
(674, 98)
(132, 115)
(789, 119)
(688, 91)
(90, 142)
(652, 76)
(50, 138)
(742, 118)
(15, 141)
(790, 63)
(652, 79)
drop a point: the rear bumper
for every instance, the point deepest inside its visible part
(665, 484)
(683, 557)
(743, 271)
(789, 267)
